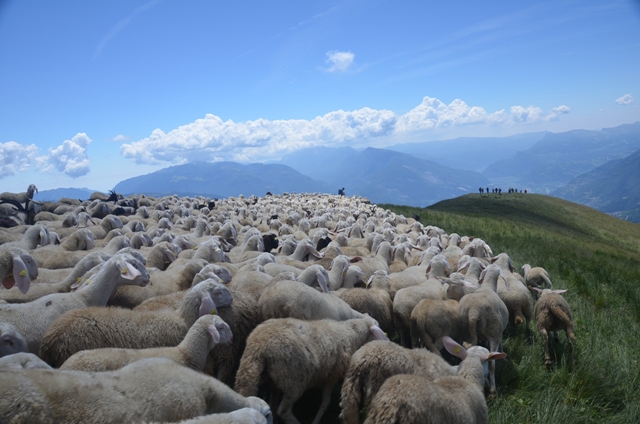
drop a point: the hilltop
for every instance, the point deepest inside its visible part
(597, 258)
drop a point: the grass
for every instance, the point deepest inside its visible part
(597, 258)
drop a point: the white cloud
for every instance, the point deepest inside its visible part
(339, 61)
(70, 157)
(212, 139)
(556, 112)
(625, 100)
(120, 138)
(15, 157)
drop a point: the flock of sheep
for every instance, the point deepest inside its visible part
(166, 309)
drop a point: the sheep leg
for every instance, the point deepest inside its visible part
(493, 347)
(326, 398)
(545, 339)
(569, 345)
(285, 409)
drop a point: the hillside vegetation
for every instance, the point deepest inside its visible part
(597, 258)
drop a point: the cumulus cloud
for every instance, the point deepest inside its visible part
(71, 156)
(16, 157)
(212, 139)
(625, 100)
(339, 61)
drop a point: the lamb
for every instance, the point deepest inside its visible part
(63, 286)
(33, 318)
(50, 396)
(431, 320)
(553, 314)
(318, 353)
(94, 328)
(17, 267)
(536, 277)
(375, 362)
(11, 341)
(484, 316)
(414, 399)
(293, 299)
(21, 361)
(192, 352)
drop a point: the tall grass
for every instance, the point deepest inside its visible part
(597, 258)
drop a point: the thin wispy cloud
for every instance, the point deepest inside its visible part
(120, 25)
(120, 138)
(627, 99)
(338, 62)
(212, 139)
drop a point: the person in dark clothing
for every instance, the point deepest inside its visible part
(341, 191)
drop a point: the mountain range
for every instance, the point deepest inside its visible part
(596, 168)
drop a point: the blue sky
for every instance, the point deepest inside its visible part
(93, 92)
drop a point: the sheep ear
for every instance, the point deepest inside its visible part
(215, 335)
(492, 260)
(535, 289)
(557, 291)
(44, 237)
(169, 255)
(207, 306)
(454, 348)
(322, 282)
(128, 271)
(20, 275)
(494, 355)
(355, 259)
(90, 243)
(377, 333)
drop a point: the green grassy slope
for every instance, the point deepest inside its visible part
(597, 258)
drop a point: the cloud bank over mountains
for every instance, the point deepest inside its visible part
(212, 139)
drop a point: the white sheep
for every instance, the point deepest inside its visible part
(161, 390)
(292, 299)
(17, 267)
(483, 316)
(22, 360)
(376, 361)
(296, 355)
(192, 352)
(431, 320)
(553, 314)
(94, 328)
(239, 416)
(32, 319)
(11, 341)
(536, 277)
(414, 399)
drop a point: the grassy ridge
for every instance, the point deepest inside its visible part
(596, 257)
